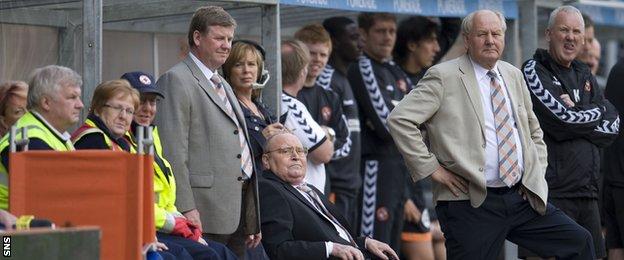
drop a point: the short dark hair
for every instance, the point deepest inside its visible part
(367, 20)
(412, 29)
(588, 21)
(336, 25)
(206, 16)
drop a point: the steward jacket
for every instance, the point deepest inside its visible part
(165, 210)
(572, 134)
(94, 134)
(41, 137)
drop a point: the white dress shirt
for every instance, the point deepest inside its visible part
(492, 176)
(205, 70)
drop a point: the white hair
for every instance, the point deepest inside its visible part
(47, 81)
(566, 9)
(466, 25)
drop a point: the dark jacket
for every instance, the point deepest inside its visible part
(291, 227)
(614, 154)
(255, 125)
(572, 134)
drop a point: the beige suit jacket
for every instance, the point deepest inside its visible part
(201, 142)
(447, 102)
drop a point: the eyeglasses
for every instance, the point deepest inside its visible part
(302, 151)
(119, 109)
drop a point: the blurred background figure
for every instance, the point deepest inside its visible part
(613, 189)
(112, 110)
(244, 70)
(415, 51)
(347, 182)
(12, 103)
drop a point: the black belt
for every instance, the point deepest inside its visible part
(504, 190)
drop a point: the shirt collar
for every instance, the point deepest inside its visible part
(481, 72)
(65, 135)
(207, 72)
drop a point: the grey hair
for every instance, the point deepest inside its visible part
(468, 21)
(566, 9)
(47, 81)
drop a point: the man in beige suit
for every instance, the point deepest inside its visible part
(485, 154)
(205, 137)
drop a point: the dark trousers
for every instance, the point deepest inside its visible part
(479, 233)
(213, 250)
(175, 252)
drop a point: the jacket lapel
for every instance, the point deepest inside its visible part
(510, 85)
(296, 193)
(469, 81)
(204, 83)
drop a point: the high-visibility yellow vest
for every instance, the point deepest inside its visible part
(165, 210)
(36, 128)
(89, 127)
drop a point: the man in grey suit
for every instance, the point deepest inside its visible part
(486, 153)
(205, 137)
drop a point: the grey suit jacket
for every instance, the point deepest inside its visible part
(201, 142)
(447, 102)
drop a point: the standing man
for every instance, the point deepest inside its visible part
(485, 155)
(204, 130)
(323, 103)
(54, 105)
(378, 86)
(576, 119)
(613, 193)
(295, 116)
(346, 182)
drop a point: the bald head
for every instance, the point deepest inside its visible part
(285, 157)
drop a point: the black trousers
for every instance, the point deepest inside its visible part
(479, 233)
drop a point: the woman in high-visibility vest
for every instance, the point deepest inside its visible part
(111, 113)
(172, 227)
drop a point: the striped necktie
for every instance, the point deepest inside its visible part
(246, 165)
(508, 167)
(318, 204)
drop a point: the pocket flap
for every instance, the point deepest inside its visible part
(201, 180)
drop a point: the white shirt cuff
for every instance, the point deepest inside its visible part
(329, 247)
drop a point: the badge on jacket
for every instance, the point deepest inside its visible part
(326, 113)
(556, 81)
(587, 86)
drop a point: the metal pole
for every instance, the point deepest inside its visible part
(271, 40)
(528, 28)
(91, 49)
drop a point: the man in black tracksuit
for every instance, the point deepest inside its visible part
(613, 193)
(378, 86)
(576, 119)
(324, 104)
(346, 181)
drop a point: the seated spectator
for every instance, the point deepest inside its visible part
(244, 70)
(12, 104)
(110, 116)
(297, 220)
(173, 229)
(54, 106)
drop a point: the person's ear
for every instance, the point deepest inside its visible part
(196, 37)
(265, 161)
(412, 46)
